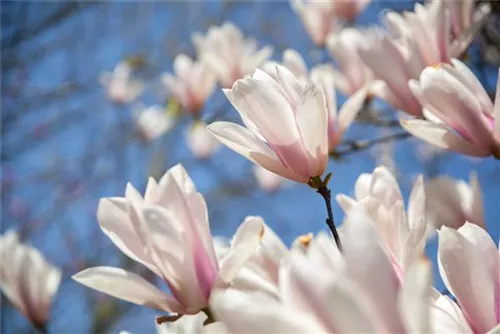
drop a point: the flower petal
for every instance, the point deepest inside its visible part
(443, 137)
(242, 141)
(239, 311)
(128, 286)
(312, 122)
(466, 275)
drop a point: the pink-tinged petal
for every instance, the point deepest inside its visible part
(447, 317)
(259, 313)
(369, 266)
(244, 243)
(457, 106)
(245, 143)
(350, 110)
(384, 186)
(127, 286)
(414, 298)
(442, 137)
(469, 79)
(205, 272)
(415, 242)
(489, 252)
(445, 204)
(115, 223)
(294, 62)
(312, 122)
(382, 90)
(466, 275)
(335, 301)
(265, 105)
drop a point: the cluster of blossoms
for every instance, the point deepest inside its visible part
(372, 276)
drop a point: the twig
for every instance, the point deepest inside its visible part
(356, 146)
(326, 194)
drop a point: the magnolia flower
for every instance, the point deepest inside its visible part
(459, 114)
(228, 55)
(319, 18)
(469, 264)
(419, 39)
(344, 47)
(168, 232)
(452, 202)
(267, 180)
(322, 291)
(403, 233)
(260, 272)
(192, 84)
(153, 122)
(201, 143)
(384, 58)
(349, 9)
(293, 61)
(27, 279)
(324, 77)
(120, 86)
(286, 124)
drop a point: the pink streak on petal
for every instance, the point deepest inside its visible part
(205, 272)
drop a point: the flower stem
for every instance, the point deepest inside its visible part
(210, 318)
(326, 194)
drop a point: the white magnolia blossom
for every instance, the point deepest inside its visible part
(323, 291)
(192, 84)
(153, 121)
(469, 264)
(324, 76)
(452, 202)
(200, 142)
(228, 54)
(345, 47)
(121, 87)
(404, 233)
(167, 231)
(27, 280)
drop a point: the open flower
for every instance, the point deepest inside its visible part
(469, 263)
(459, 114)
(324, 77)
(286, 124)
(27, 279)
(228, 55)
(452, 202)
(344, 47)
(153, 122)
(384, 58)
(201, 143)
(120, 86)
(168, 232)
(192, 84)
(404, 233)
(319, 18)
(324, 291)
